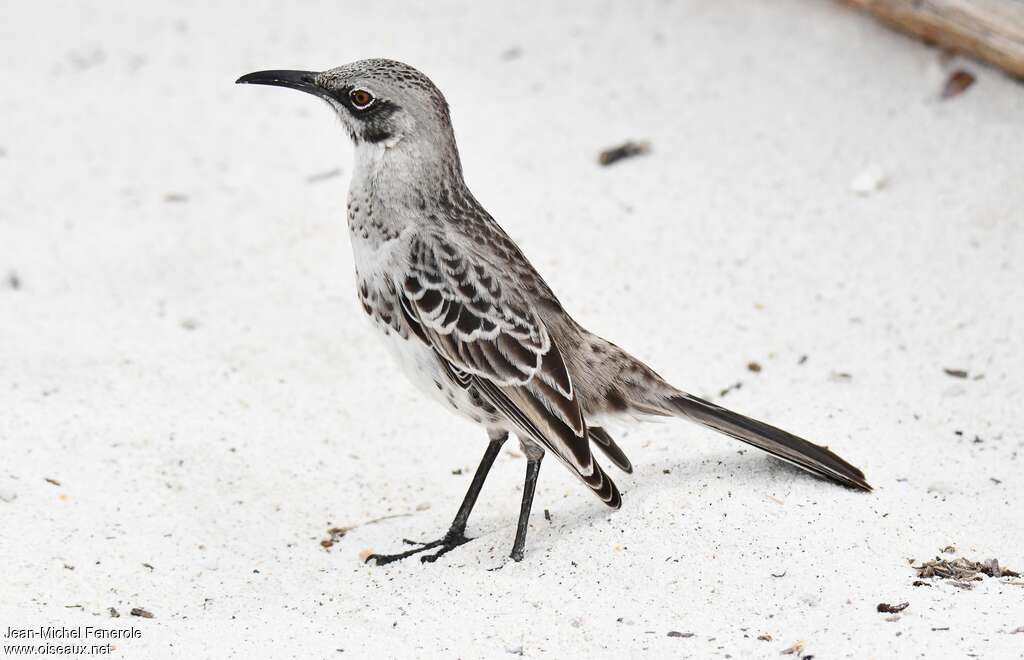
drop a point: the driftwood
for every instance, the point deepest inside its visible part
(990, 30)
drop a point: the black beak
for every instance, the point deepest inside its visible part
(304, 81)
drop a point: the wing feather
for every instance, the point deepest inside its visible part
(489, 336)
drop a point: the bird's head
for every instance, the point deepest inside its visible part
(384, 105)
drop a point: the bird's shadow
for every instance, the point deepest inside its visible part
(756, 471)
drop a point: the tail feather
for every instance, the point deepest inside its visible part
(786, 446)
(610, 448)
(603, 487)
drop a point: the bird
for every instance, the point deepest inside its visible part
(470, 320)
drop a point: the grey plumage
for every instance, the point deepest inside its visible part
(469, 318)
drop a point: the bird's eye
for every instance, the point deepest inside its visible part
(360, 98)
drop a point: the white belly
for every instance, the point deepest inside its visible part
(420, 365)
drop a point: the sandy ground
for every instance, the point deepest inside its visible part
(182, 353)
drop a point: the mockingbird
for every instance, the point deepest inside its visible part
(469, 319)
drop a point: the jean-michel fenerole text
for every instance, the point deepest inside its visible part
(73, 632)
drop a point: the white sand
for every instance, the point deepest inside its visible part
(198, 377)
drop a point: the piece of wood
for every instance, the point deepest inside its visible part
(991, 30)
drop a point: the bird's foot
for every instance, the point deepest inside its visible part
(449, 542)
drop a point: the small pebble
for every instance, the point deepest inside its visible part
(869, 181)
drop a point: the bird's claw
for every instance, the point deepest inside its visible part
(444, 545)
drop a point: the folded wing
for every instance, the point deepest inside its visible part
(489, 337)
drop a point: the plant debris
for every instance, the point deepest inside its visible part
(625, 150)
(51, 481)
(754, 366)
(796, 649)
(956, 373)
(892, 609)
(957, 83)
(114, 614)
(765, 637)
(676, 633)
(335, 534)
(138, 611)
(962, 572)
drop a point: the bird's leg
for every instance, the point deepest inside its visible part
(534, 454)
(456, 534)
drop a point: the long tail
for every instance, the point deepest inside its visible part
(786, 446)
